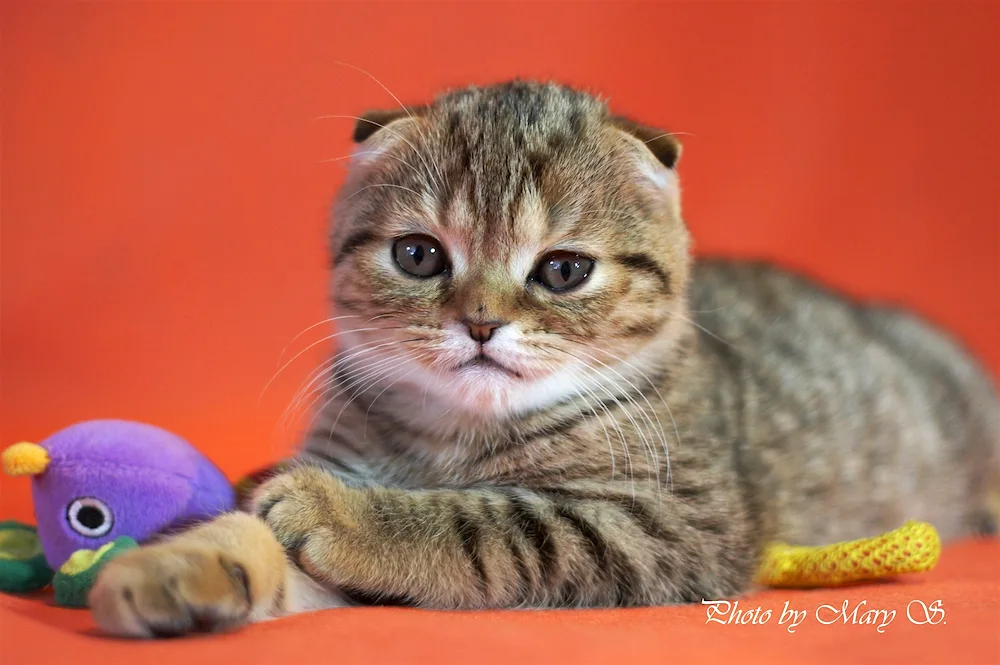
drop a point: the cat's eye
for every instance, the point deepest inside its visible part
(562, 271)
(420, 256)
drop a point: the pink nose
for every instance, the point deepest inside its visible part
(482, 332)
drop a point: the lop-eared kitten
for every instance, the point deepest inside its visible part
(540, 401)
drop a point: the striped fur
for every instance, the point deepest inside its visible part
(655, 426)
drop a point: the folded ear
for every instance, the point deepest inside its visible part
(372, 121)
(662, 144)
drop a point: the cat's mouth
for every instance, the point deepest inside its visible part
(483, 361)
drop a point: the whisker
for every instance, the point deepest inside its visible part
(406, 109)
(315, 325)
(381, 85)
(714, 309)
(369, 152)
(629, 469)
(645, 415)
(670, 134)
(377, 370)
(643, 438)
(383, 184)
(365, 388)
(369, 409)
(402, 138)
(706, 331)
(317, 342)
(371, 369)
(600, 421)
(330, 365)
(652, 385)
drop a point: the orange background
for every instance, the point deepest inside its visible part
(164, 194)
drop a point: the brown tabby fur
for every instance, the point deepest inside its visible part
(668, 418)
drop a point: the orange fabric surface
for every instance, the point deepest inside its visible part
(966, 582)
(165, 190)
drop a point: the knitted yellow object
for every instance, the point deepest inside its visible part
(913, 548)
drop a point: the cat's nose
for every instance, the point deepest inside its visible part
(481, 331)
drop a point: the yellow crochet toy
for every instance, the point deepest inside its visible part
(912, 548)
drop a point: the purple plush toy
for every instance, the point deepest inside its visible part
(100, 480)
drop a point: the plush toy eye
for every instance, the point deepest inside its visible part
(420, 256)
(562, 271)
(90, 517)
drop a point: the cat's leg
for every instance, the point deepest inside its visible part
(587, 544)
(216, 576)
(581, 544)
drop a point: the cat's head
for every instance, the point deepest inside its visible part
(507, 247)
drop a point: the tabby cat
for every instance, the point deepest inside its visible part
(541, 401)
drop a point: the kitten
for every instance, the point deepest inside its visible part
(524, 413)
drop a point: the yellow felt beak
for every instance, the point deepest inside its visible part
(25, 459)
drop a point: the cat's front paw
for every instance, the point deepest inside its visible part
(305, 508)
(168, 590)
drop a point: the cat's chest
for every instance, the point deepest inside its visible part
(410, 452)
(437, 470)
(421, 465)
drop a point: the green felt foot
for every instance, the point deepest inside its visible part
(22, 563)
(73, 581)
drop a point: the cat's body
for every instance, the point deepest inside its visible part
(539, 402)
(855, 417)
